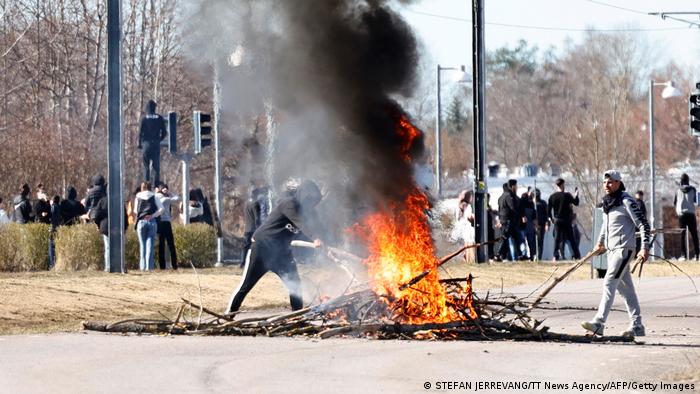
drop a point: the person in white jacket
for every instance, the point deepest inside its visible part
(165, 229)
(622, 217)
(4, 217)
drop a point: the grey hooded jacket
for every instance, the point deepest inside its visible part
(621, 223)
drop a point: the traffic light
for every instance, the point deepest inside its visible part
(172, 132)
(202, 130)
(694, 111)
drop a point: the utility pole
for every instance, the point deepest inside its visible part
(115, 138)
(479, 102)
(217, 165)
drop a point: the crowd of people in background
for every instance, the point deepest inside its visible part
(521, 222)
(149, 210)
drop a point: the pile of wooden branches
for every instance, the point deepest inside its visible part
(362, 313)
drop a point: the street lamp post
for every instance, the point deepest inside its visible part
(438, 127)
(668, 92)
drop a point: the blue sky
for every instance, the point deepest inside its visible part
(442, 25)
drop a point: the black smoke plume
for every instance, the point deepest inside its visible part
(334, 72)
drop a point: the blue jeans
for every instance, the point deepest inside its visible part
(52, 252)
(146, 231)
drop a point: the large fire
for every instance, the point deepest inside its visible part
(401, 248)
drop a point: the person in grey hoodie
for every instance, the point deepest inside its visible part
(685, 201)
(165, 228)
(22, 207)
(622, 217)
(147, 208)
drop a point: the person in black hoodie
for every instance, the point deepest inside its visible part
(71, 208)
(22, 206)
(293, 218)
(151, 133)
(56, 220)
(95, 193)
(509, 215)
(99, 214)
(42, 207)
(542, 222)
(561, 212)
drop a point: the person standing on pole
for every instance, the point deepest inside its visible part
(151, 133)
(622, 217)
(685, 201)
(561, 212)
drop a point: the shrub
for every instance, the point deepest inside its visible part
(196, 244)
(79, 247)
(24, 247)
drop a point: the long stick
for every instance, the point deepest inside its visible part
(443, 261)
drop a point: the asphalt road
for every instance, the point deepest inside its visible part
(93, 362)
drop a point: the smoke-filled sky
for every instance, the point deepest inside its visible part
(332, 71)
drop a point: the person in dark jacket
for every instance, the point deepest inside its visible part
(293, 218)
(509, 216)
(56, 221)
(165, 228)
(542, 222)
(528, 230)
(95, 193)
(42, 207)
(685, 201)
(100, 215)
(151, 133)
(255, 212)
(561, 212)
(22, 207)
(71, 208)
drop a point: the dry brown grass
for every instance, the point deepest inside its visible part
(50, 302)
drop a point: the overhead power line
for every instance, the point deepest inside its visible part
(531, 27)
(617, 6)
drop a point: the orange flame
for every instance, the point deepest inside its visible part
(401, 248)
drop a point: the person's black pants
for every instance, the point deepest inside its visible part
(165, 234)
(687, 222)
(266, 257)
(564, 232)
(151, 159)
(540, 241)
(510, 245)
(530, 238)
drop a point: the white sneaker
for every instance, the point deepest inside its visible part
(634, 331)
(593, 327)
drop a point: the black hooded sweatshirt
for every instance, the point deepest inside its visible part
(42, 211)
(96, 192)
(71, 208)
(293, 218)
(152, 130)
